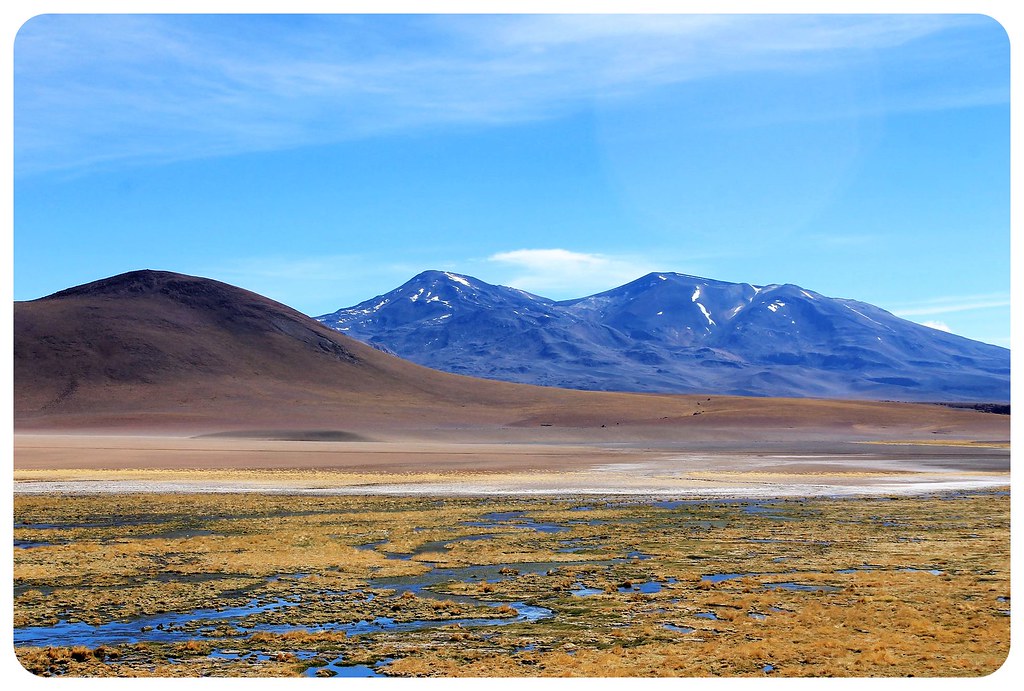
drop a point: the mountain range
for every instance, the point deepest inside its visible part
(675, 333)
(156, 352)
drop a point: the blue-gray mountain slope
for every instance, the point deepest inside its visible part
(668, 332)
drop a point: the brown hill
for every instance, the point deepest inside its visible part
(153, 350)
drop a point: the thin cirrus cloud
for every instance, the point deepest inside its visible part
(563, 273)
(304, 283)
(121, 89)
(947, 305)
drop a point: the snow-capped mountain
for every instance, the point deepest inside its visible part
(676, 333)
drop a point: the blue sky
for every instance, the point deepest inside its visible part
(322, 160)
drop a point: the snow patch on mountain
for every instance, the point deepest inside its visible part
(458, 279)
(707, 315)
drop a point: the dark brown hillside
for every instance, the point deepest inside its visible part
(155, 327)
(153, 350)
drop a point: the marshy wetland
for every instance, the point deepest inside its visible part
(254, 584)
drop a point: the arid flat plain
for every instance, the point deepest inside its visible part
(91, 463)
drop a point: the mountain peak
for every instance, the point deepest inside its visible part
(670, 280)
(213, 297)
(131, 283)
(671, 275)
(437, 275)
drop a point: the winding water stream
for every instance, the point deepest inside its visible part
(181, 627)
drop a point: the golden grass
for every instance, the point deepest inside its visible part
(121, 556)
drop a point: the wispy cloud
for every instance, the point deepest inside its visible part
(308, 268)
(947, 305)
(104, 90)
(564, 273)
(312, 284)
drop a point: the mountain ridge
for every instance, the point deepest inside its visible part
(668, 332)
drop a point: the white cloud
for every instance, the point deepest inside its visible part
(560, 273)
(941, 326)
(552, 259)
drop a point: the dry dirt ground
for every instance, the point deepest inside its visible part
(472, 465)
